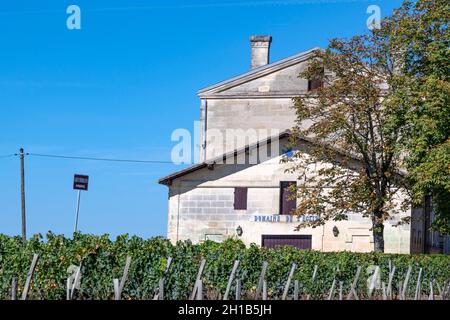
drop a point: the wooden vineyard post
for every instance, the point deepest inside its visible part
(296, 289)
(431, 296)
(446, 290)
(264, 290)
(199, 277)
(14, 288)
(442, 290)
(373, 281)
(288, 282)
(161, 289)
(389, 286)
(231, 279)
(439, 289)
(404, 291)
(30, 276)
(118, 286)
(160, 294)
(316, 268)
(354, 285)
(68, 289)
(125, 275)
(238, 289)
(261, 279)
(116, 289)
(199, 292)
(418, 286)
(330, 294)
(313, 278)
(75, 284)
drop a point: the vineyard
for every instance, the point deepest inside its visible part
(88, 267)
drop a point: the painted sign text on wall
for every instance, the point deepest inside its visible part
(284, 218)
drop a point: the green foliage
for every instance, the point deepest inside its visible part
(352, 162)
(104, 260)
(419, 29)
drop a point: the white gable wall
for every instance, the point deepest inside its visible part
(282, 82)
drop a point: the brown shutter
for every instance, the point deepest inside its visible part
(314, 84)
(288, 201)
(240, 198)
(298, 241)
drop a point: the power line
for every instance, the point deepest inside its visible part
(99, 159)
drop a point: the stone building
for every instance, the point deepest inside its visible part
(240, 189)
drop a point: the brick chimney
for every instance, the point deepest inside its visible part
(260, 46)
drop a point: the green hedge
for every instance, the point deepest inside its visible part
(104, 260)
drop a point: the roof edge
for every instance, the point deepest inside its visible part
(167, 180)
(260, 71)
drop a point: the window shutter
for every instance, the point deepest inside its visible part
(240, 198)
(288, 202)
(297, 241)
(314, 84)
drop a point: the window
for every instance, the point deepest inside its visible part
(314, 84)
(288, 200)
(240, 198)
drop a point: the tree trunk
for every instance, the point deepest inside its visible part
(378, 236)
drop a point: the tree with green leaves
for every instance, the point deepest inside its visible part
(420, 30)
(365, 119)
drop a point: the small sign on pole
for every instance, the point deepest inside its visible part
(80, 183)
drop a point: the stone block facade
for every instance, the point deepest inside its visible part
(201, 207)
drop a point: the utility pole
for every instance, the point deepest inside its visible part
(22, 177)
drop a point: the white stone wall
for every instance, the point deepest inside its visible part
(202, 212)
(201, 207)
(263, 103)
(264, 117)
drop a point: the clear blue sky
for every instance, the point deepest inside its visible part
(118, 88)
